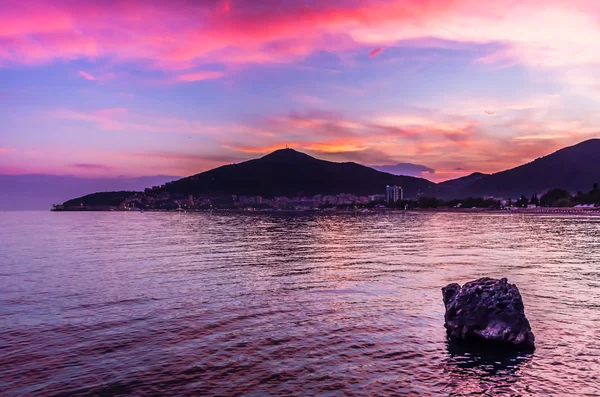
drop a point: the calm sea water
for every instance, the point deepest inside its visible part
(266, 305)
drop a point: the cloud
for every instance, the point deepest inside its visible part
(220, 159)
(367, 139)
(181, 35)
(409, 169)
(226, 6)
(106, 118)
(375, 52)
(7, 150)
(86, 75)
(199, 76)
(309, 100)
(537, 137)
(92, 167)
(361, 156)
(185, 162)
(120, 119)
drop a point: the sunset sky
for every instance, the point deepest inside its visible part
(177, 87)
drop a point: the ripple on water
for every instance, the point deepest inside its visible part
(254, 305)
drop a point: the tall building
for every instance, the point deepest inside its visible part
(393, 194)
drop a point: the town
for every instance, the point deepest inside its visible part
(392, 197)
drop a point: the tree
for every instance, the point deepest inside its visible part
(534, 199)
(595, 189)
(509, 202)
(564, 202)
(552, 196)
(428, 202)
(522, 202)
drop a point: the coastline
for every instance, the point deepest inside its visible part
(514, 211)
(527, 211)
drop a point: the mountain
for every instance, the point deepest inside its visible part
(40, 191)
(574, 168)
(449, 188)
(287, 172)
(290, 173)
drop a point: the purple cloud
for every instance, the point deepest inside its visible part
(408, 169)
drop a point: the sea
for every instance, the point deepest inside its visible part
(254, 304)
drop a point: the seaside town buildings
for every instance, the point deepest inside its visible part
(155, 199)
(393, 194)
(163, 201)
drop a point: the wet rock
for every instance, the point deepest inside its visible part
(489, 311)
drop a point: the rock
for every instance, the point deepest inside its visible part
(487, 310)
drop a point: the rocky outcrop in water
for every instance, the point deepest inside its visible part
(487, 310)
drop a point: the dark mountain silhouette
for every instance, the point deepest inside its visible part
(287, 172)
(452, 186)
(574, 168)
(108, 199)
(290, 173)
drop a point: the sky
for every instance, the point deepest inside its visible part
(441, 88)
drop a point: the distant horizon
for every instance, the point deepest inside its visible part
(41, 191)
(419, 171)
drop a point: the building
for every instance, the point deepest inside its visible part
(393, 194)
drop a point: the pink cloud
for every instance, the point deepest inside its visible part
(309, 100)
(92, 167)
(86, 75)
(199, 76)
(226, 6)
(375, 52)
(328, 133)
(183, 35)
(111, 113)
(120, 119)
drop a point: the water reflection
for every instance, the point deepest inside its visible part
(485, 360)
(482, 369)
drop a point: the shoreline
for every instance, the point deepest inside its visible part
(528, 211)
(518, 211)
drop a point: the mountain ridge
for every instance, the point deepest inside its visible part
(573, 168)
(287, 172)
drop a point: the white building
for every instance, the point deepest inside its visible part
(393, 193)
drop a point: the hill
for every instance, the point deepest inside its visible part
(452, 187)
(574, 168)
(108, 199)
(287, 172)
(290, 173)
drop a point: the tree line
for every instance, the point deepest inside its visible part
(553, 198)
